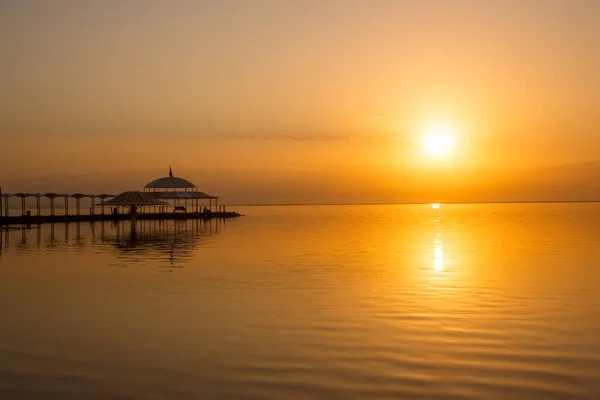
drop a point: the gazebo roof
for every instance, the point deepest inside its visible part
(170, 182)
(133, 199)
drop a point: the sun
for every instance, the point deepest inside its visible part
(439, 141)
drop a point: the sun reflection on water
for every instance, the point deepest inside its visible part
(438, 253)
(438, 244)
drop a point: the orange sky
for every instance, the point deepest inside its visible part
(324, 93)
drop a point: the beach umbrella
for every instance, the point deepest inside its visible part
(78, 197)
(133, 200)
(37, 196)
(51, 196)
(66, 197)
(5, 197)
(22, 196)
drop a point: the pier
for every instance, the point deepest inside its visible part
(164, 198)
(29, 219)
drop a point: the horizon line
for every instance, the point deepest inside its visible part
(413, 203)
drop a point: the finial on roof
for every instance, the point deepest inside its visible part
(170, 171)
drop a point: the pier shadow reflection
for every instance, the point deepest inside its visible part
(169, 242)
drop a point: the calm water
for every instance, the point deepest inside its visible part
(346, 302)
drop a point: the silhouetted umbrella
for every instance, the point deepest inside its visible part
(52, 197)
(4, 201)
(38, 197)
(22, 196)
(133, 200)
(66, 201)
(78, 197)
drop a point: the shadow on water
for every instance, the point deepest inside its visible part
(169, 242)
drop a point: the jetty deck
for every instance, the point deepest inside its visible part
(165, 198)
(42, 219)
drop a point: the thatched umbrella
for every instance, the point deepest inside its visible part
(38, 206)
(51, 196)
(22, 196)
(78, 197)
(133, 201)
(66, 197)
(4, 197)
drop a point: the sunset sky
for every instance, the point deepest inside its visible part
(304, 101)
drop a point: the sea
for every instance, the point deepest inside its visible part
(430, 301)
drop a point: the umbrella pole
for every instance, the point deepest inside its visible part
(133, 213)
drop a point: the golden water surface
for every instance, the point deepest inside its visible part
(494, 301)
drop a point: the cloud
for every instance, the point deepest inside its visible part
(269, 137)
(315, 137)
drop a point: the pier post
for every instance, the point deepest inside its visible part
(1, 221)
(78, 205)
(93, 208)
(39, 206)
(133, 215)
(52, 206)
(23, 206)
(66, 205)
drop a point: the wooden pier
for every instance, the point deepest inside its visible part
(43, 219)
(151, 204)
(182, 209)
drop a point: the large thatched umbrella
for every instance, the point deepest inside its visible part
(133, 201)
